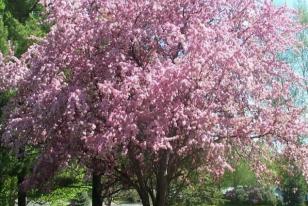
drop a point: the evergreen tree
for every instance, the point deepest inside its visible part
(19, 21)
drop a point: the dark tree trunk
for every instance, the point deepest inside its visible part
(162, 181)
(142, 188)
(97, 188)
(144, 197)
(22, 196)
(162, 190)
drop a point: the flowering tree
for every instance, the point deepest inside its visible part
(145, 91)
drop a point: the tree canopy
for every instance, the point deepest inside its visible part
(145, 91)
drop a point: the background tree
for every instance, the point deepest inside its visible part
(241, 176)
(20, 22)
(71, 185)
(292, 183)
(294, 187)
(195, 189)
(298, 56)
(7, 165)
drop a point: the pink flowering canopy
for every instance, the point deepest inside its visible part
(160, 82)
(12, 71)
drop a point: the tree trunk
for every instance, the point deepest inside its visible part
(22, 196)
(162, 190)
(144, 197)
(162, 181)
(97, 189)
(142, 187)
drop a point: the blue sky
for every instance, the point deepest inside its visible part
(291, 3)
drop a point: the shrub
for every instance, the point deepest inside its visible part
(251, 196)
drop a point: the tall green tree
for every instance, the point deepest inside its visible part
(3, 30)
(7, 163)
(20, 20)
(241, 176)
(292, 183)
